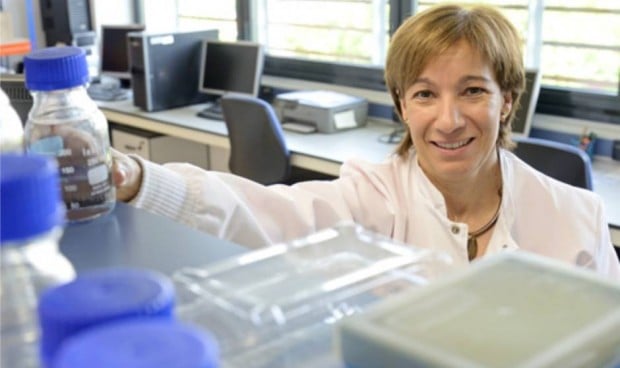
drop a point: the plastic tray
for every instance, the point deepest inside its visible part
(274, 306)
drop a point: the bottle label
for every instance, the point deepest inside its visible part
(97, 174)
(84, 162)
(50, 146)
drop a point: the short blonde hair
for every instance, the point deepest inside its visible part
(431, 32)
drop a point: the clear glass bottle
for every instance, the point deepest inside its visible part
(31, 223)
(64, 122)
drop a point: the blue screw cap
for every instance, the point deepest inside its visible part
(55, 68)
(30, 197)
(139, 344)
(100, 297)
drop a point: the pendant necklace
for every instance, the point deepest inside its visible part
(472, 237)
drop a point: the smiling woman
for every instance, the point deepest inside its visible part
(455, 88)
(416, 42)
(455, 75)
(454, 111)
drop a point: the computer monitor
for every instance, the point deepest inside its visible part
(229, 67)
(114, 51)
(522, 122)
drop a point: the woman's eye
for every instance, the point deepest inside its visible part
(474, 91)
(423, 94)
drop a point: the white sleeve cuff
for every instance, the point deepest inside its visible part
(163, 191)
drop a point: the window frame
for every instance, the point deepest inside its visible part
(318, 71)
(577, 104)
(552, 101)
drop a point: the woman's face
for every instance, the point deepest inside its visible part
(453, 110)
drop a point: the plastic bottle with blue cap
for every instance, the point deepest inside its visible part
(99, 297)
(65, 123)
(31, 224)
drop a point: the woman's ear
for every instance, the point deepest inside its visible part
(403, 109)
(507, 104)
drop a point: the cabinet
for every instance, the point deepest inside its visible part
(159, 148)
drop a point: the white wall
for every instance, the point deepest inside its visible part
(16, 27)
(16, 11)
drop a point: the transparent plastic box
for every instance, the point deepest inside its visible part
(276, 306)
(511, 310)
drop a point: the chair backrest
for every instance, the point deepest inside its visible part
(258, 150)
(557, 160)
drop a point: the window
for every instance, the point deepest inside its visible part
(576, 44)
(208, 14)
(317, 31)
(321, 31)
(581, 45)
(515, 10)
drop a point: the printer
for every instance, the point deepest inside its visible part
(323, 111)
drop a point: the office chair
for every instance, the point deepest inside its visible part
(258, 150)
(557, 160)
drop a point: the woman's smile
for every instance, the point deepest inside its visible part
(452, 145)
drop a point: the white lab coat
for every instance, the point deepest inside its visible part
(394, 198)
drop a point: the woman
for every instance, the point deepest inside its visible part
(455, 75)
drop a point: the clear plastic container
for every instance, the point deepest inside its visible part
(510, 310)
(32, 219)
(275, 307)
(139, 344)
(65, 123)
(11, 129)
(100, 297)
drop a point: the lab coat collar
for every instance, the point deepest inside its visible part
(502, 239)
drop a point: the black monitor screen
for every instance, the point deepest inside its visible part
(231, 67)
(522, 122)
(114, 49)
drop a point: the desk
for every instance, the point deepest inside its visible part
(323, 152)
(318, 152)
(133, 237)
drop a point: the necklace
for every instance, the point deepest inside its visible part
(472, 237)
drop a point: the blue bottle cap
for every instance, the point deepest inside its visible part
(54, 68)
(139, 344)
(99, 297)
(30, 198)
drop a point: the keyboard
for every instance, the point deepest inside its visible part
(107, 92)
(213, 112)
(299, 127)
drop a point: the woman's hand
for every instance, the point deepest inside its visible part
(127, 176)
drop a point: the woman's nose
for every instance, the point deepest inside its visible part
(449, 116)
